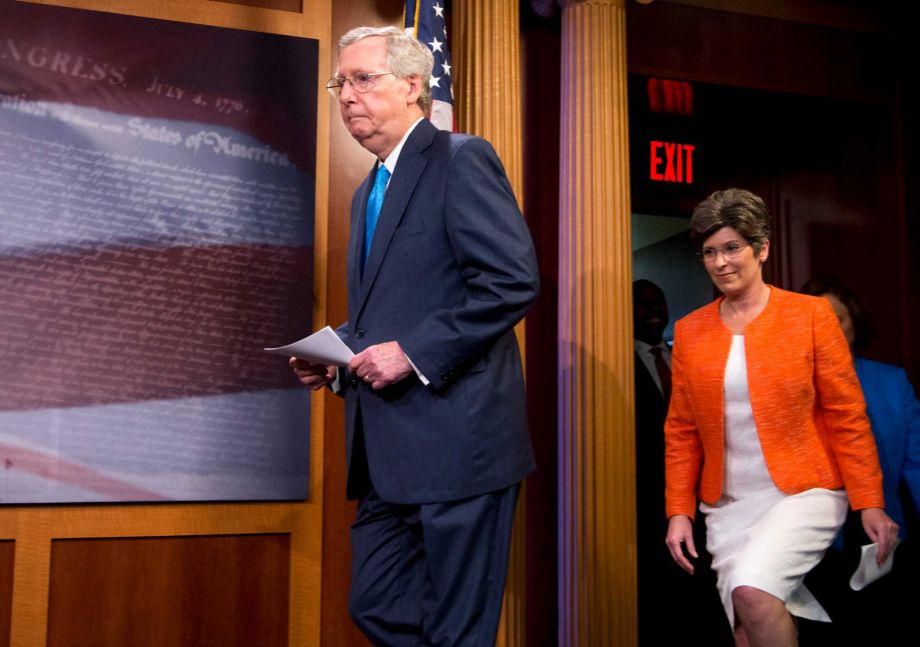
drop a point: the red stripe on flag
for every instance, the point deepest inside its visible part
(56, 469)
(89, 327)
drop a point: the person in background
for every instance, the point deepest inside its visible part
(693, 598)
(894, 414)
(440, 268)
(767, 426)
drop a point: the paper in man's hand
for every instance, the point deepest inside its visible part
(322, 347)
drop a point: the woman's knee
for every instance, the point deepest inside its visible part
(753, 605)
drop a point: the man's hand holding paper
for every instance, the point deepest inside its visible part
(314, 376)
(315, 357)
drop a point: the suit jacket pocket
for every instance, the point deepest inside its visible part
(411, 225)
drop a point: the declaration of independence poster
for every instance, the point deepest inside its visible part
(156, 232)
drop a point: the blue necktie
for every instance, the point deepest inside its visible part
(374, 202)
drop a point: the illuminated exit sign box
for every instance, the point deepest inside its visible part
(670, 162)
(666, 148)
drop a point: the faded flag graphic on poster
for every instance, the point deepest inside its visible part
(156, 232)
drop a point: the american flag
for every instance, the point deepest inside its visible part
(425, 20)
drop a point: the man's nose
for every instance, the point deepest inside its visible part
(347, 93)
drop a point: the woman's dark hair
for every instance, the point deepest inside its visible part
(736, 208)
(859, 313)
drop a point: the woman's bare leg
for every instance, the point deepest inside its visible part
(761, 620)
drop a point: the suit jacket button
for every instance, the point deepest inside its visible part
(359, 333)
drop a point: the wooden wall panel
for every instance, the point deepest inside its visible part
(282, 5)
(229, 591)
(36, 530)
(7, 556)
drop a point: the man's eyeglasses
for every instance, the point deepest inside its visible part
(360, 82)
(729, 250)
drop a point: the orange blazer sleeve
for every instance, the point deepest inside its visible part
(842, 408)
(683, 446)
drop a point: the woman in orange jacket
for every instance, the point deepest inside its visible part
(767, 424)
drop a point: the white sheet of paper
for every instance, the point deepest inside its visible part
(322, 347)
(868, 570)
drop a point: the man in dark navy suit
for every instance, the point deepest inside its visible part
(690, 600)
(652, 391)
(440, 268)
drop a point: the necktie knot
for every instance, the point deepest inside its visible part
(383, 176)
(374, 203)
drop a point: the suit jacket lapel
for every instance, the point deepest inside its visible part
(408, 170)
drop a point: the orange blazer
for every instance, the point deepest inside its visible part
(807, 404)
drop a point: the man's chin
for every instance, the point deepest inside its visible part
(361, 135)
(650, 333)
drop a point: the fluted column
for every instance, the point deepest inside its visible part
(486, 47)
(597, 572)
(487, 64)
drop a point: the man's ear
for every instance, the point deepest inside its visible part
(415, 89)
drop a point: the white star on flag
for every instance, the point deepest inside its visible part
(426, 20)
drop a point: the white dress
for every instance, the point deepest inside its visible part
(757, 535)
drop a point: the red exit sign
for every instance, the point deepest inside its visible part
(671, 162)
